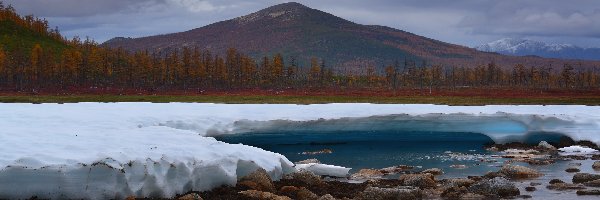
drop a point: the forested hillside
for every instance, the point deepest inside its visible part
(35, 58)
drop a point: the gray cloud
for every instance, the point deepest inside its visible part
(466, 22)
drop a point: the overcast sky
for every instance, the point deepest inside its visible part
(465, 22)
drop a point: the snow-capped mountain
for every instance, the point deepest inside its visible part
(524, 47)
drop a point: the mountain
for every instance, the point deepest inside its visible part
(16, 35)
(302, 32)
(524, 47)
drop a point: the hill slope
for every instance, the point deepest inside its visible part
(14, 35)
(302, 32)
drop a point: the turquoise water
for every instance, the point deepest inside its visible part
(378, 149)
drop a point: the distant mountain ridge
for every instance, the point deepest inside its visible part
(302, 32)
(525, 47)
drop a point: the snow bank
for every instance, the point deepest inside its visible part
(324, 170)
(113, 150)
(576, 149)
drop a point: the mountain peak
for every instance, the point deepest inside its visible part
(284, 11)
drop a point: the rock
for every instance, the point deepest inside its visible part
(191, 196)
(534, 184)
(260, 195)
(596, 165)
(326, 197)
(530, 188)
(458, 166)
(258, 180)
(572, 170)
(491, 175)
(575, 164)
(305, 177)
(539, 161)
(418, 180)
(454, 192)
(396, 169)
(497, 186)
(298, 193)
(594, 183)
(554, 181)
(588, 192)
(323, 151)
(585, 177)
(565, 186)
(434, 171)
(546, 145)
(397, 193)
(308, 161)
(596, 157)
(516, 172)
(367, 174)
(472, 196)
(524, 196)
(457, 182)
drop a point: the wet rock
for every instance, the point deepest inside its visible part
(260, 195)
(594, 183)
(545, 145)
(524, 196)
(418, 180)
(534, 184)
(585, 177)
(323, 151)
(530, 188)
(472, 196)
(397, 193)
(588, 192)
(306, 177)
(367, 174)
(565, 186)
(191, 196)
(554, 181)
(596, 157)
(539, 161)
(308, 161)
(258, 180)
(572, 170)
(434, 171)
(457, 182)
(596, 165)
(491, 175)
(497, 186)
(574, 164)
(516, 172)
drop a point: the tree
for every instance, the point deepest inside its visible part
(567, 75)
(3, 63)
(315, 70)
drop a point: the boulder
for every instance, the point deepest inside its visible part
(588, 192)
(585, 177)
(258, 180)
(396, 169)
(418, 180)
(596, 165)
(497, 186)
(191, 196)
(326, 197)
(572, 170)
(517, 172)
(305, 177)
(397, 193)
(457, 182)
(308, 161)
(367, 174)
(434, 171)
(260, 195)
(554, 181)
(530, 188)
(298, 193)
(594, 183)
(565, 186)
(545, 145)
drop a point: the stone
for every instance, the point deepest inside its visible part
(588, 192)
(298, 193)
(397, 193)
(565, 186)
(596, 165)
(454, 192)
(258, 180)
(457, 182)
(326, 197)
(546, 145)
(530, 188)
(518, 172)
(308, 161)
(534, 184)
(305, 177)
(396, 169)
(367, 174)
(585, 177)
(260, 195)
(472, 196)
(434, 171)
(418, 180)
(594, 183)
(554, 181)
(497, 186)
(572, 170)
(191, 196)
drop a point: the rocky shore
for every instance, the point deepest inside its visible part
(515, 179)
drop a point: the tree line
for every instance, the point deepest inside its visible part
(85, 64)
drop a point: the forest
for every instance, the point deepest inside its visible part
(35, 58)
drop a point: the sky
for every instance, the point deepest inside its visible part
(464, 22)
